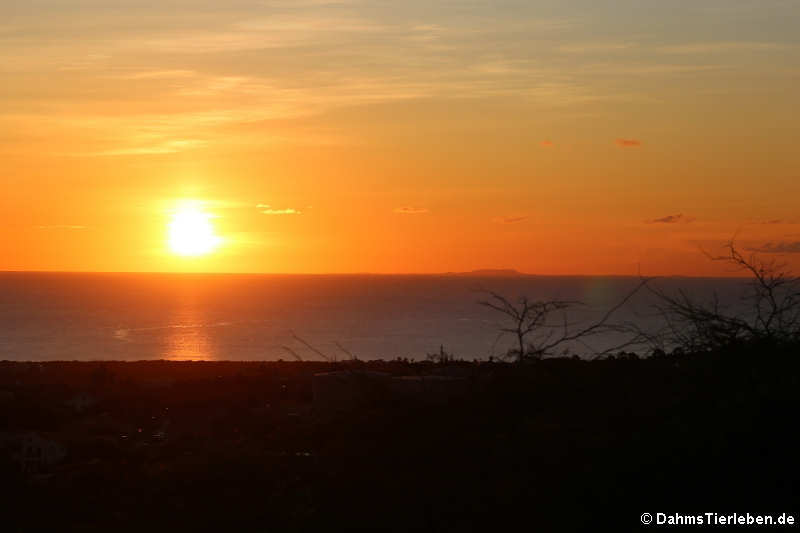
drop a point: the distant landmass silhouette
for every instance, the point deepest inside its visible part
(499, 272)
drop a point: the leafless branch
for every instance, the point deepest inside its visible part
(537, 336)
(773, 298)
(307, 345)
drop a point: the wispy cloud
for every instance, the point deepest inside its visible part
(719, 47)
(648, 68)
(61, 226)
(547, 144)
(163, 147)
(593, 48)
(410, 210)
(267, 209)
(768, 221)
(307, 58)
(277, 31)
(511, 219)
(307, 3)
(215, 73)
(86, 62)
(783, 247)
(774, 221)
(628, 143)
(158, 74)
(671, 219)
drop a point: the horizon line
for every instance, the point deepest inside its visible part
(497, 273)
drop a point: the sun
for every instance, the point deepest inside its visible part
(191, 232)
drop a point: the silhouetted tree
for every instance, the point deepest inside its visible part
(538, 334)
(771, 315)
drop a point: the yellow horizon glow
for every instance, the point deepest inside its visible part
(191, 233)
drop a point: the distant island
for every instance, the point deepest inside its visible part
(494, 272)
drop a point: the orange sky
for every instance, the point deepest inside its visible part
(350, 136)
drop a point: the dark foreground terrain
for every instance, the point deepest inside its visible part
(558, 444)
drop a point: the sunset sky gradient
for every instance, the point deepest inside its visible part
(553, 137)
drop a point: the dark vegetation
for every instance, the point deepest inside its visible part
(772, 311)
(542, 327)
(708, 424)
(567, 444)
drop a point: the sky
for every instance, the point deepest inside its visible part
(313, 136)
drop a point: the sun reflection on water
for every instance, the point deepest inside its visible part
(188, 338)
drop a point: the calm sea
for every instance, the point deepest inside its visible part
(46, 316)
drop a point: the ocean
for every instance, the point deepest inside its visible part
(76, 316)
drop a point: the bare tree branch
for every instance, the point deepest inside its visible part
(538, 337)
(773, 298)
(307, 345)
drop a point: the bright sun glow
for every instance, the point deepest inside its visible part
(191, 232)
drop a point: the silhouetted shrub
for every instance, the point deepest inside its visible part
(770, 318)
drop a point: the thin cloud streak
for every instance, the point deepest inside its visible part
(594, 48)
(628, 143)
(783, 247)
(720, 47)
(512, 219)
(671, 219)
(411, 210)
(158, 74)
(166, 147)
(61, 226)
(266, 209)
